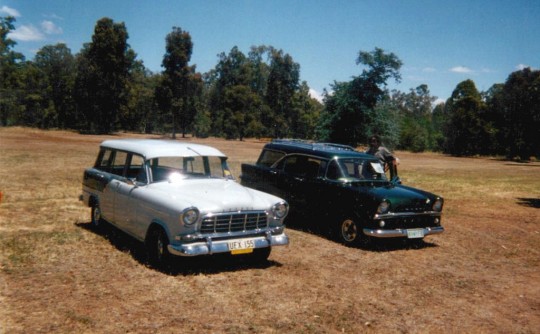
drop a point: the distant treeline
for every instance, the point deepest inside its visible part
(105, 88)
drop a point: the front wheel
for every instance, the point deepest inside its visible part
(349, 232)
(158, 253)
(261, 255)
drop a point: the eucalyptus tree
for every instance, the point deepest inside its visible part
(181, 84)
(516, 106)
(307, 111)
(58, 67)
(283, 82)
(232, 75)
(10, 63)
(467, 132)
(349, 115)
(103, 73)
(415, 111)
(139, 114)
(242, 111)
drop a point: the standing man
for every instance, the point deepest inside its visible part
(382, 153)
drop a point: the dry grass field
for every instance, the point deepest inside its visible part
(59, 276)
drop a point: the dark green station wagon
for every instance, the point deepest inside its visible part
(343, 191)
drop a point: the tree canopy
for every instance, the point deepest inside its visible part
(102, 76)
(350, 116)
(104, 88)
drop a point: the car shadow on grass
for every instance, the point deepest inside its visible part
(530, 202)
(205, 264)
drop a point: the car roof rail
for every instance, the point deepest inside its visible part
(314, 145)
(336, 146)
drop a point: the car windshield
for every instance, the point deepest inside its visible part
(175, 169)
(355, 169)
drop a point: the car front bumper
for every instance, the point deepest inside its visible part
(209, 246)
(397, 233)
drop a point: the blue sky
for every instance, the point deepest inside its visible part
(441, 43)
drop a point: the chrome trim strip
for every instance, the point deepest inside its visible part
(406, 214)
(379, 233)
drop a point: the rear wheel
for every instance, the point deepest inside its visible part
(158, 252)
(97, 220)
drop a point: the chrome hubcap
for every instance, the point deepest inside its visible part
(97, 216)
(160, 247)
(348, 230)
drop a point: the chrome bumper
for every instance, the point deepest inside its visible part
(210, 246)
(400, 232)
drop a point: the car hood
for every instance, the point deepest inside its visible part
(213, 195)
(401, 198)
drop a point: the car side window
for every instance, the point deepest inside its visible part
(119, 163)
(104, 160)
(301, 165)
(136, 169)
(269, 157)
(333, 172)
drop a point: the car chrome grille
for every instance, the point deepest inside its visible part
(234, 222)
(416, 206)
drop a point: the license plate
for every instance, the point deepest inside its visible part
(241, 246)
(417, 233)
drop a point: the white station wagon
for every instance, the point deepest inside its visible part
(181, 199)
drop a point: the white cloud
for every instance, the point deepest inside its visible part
(27, 33)
(461, 69)
(429, 69)
(316, 95)
(50, 28)
(52, 16)
(9, 11)
(438, 101)
(520, 67)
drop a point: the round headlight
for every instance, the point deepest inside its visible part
(190, 216)
(383, 207)
(437, 205)
(280, 209)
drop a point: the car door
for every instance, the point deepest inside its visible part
(299, 181)
(262, 175)
(112, 166)
(127, 191)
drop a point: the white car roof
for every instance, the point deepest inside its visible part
(153, 148)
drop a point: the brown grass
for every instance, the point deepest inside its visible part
(57, 275)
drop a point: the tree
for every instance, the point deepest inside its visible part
(350, 110)
(307, 111)
(58, 66)
(438, 121)
(415, 118)
(33, 110)
(517, 106)
(139, 113)
(184, 86)
(9, 68)
(466, 131)
(281, 87)
(242, 112)
(233, 69)
(269, 79)
(103, 74)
